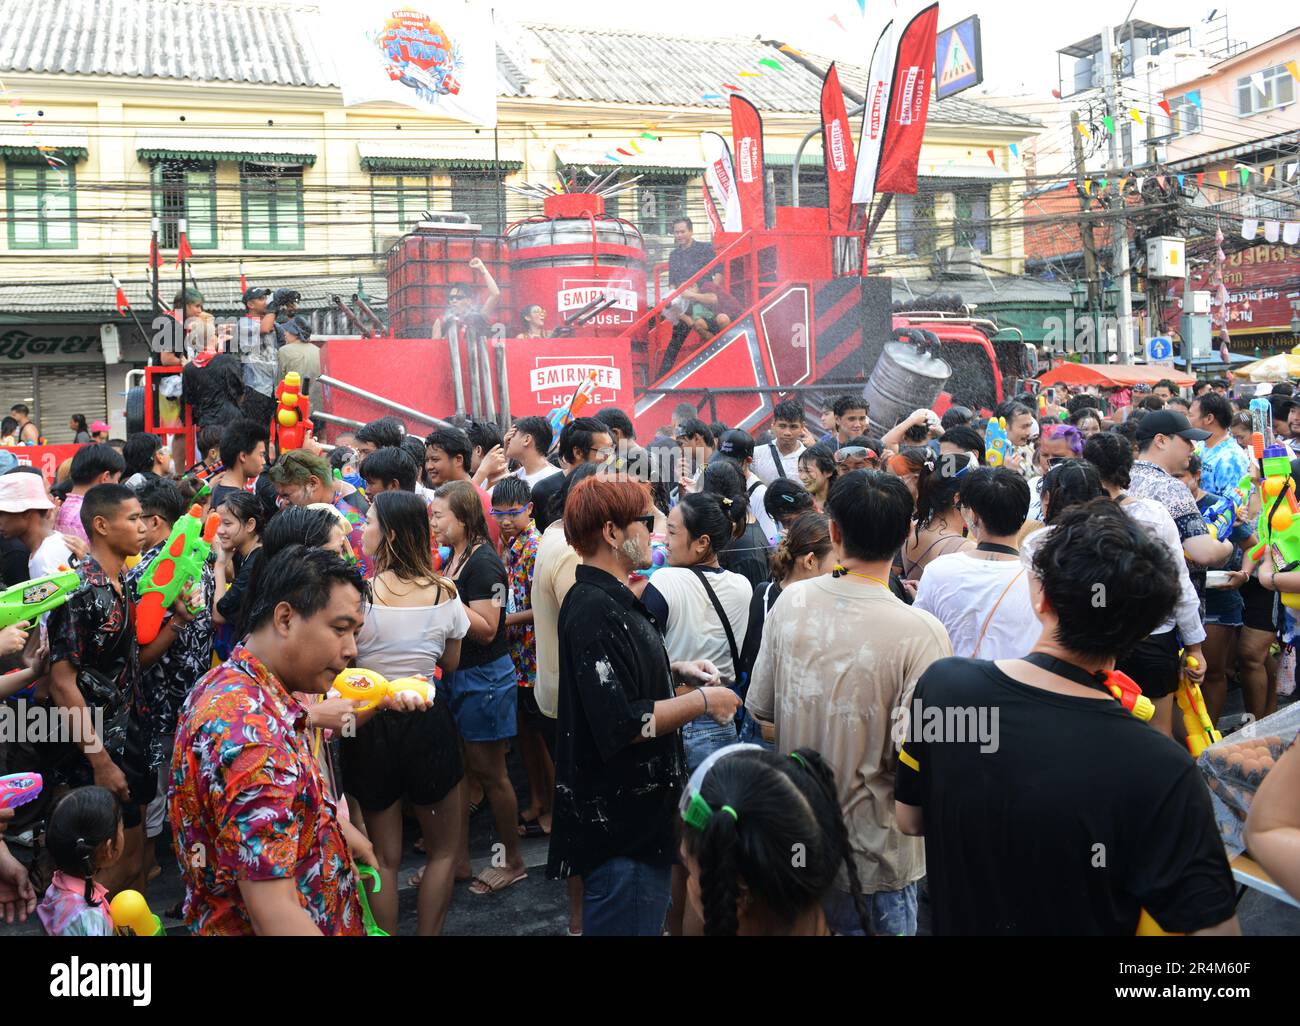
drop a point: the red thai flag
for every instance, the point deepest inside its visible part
(122, 305)
(155, 258)
(183, 251)
(243, 282)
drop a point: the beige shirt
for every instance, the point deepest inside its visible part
(303, 357)
(553, 576)
(839, 660)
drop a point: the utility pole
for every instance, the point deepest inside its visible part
(1110, 73)
(1085, 224)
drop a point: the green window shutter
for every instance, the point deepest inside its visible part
(24, 207)
(201, 209)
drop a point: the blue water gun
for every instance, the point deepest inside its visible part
(1221, 518)
(997, 446)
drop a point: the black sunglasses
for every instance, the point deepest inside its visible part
(648, 519)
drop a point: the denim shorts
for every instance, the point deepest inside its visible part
(892, 913)
(483, 700)
(625, 898)
(702, 737)
(1224, 606)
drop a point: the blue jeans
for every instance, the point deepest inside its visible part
(892, 913)
(702, 737)
(625, 898)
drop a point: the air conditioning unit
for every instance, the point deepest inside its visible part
(958, 262)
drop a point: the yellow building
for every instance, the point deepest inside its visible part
(240, 130)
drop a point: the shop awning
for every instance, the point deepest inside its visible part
(269, 149)
(19, 143)
(1113, 375)
(658, 165)
(430, 157)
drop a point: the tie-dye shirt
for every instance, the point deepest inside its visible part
(248, 802)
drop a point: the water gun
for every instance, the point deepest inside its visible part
(1221, 518)
(178, 562)
(1129, 695)
(292, 414)
(441, 557)
(370, 688)
(1196, 720)
(658, 556)
(997, 446)
(1261, 425)
(373, 929)
(563, 415)
(132, 917)
(1042, 405)
(1278, 527)
(29, 600)
(19, 789)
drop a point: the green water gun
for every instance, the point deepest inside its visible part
(31, 599)
(178, 562)
(1279, 526)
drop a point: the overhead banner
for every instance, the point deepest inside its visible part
(837, 145)
(436, 57)
(909, 104)
(720, 176)
(747, 138)
(874, 111)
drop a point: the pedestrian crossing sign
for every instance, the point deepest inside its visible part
(958, 60)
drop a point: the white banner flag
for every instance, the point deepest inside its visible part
(1272, 230)
(435, 57)
(721, 178)
(1291, 232)
(1249, 228)
(875, 113)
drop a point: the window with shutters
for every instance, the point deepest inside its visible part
(476, 193)
(917, 232)
(1265, 90)
(42, 206)
(971, 219)
(271, 197)
(659, 204)
(186, 189)
(396, 202)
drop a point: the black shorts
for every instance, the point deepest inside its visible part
(531, 716)
(1154, 664)
(411, 756)
(1260, 613)
(73, 769)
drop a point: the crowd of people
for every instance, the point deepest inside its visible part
(716, 659)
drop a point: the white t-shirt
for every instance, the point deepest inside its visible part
(755, 496)
(693, 630)
(531, 479)
(52, 554)
(961, 589)
(765, 466)
(402, 641)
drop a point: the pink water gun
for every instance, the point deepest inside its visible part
(19, 789)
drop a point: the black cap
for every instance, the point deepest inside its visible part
(255, 293)
(1169, 422)
(737, 444)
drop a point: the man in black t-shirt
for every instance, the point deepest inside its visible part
(1046, 807)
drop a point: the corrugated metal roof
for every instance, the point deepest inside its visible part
(220, 295)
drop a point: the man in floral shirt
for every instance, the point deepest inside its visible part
(261, 847)
(512, 511)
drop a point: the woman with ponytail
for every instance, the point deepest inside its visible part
(938, 528)
(747, 552)
(84, 836)
(745, 810)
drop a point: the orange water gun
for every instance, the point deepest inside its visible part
(1129, 695)
(292, 414)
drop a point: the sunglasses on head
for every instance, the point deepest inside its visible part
(855, 452)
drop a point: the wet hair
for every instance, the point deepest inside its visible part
(82, 820)
(538, 430)
(1085, 402)
(1068, 484)
(788, 410)
(104, 500)
(526, 311)
(937, 484)
(1084, 413)
(240, 437)
(1242, 419)
(404, 550)
(598, 500)
(454, 442)
(464, 504)
(161, 498)
(511, 491)
(614, 418)
(1112, 454)
(706, 514)
(305, 578)
(577, 436)
(696, 428)
(1152, 403)
(965, 438)
(998, 496)
(571, 481)
(1167, 383)
(1096, 548)
(90, 461)
(786, 498)
(873, 512)
(821, 456)
(728, 484)
(209, 439)
(764, 805)
(484, 435)
(393, 463)
(956, 416)
(1216, 406)
(413, 446)
(1194, 464)
(139, 452)
(245, 506)
(295, 525)
(807, 533)
(1011, 409)
(8, 426)
(386, 432)
(844, 403)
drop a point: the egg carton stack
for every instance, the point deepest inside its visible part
(1236, 766)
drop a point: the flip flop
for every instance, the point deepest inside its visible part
(532, 828)
(489, 888)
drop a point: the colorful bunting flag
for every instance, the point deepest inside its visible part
(1087, 187)
(1223, 178)
(1181, 180)
(1109, 122)
(749, 74)
(1200, 179)
(243, 281)
(650, 135)
(1291, 232)
(1294, 68)
(1135, 114)
(1268, 172)
(1015, 151)
(1245, 176)
(1272, 231)
(1194, 98)
(773, 63)
(992, 159)
(1249, 228)
(122, 305)
(1083, 131)
(1164, 106)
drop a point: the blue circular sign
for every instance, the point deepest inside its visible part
(1159, 348)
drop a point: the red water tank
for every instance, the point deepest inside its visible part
(573, 254)
(423, 265)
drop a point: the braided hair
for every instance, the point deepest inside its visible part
(766, 806)
(1068, 484)
(1112, 455)
(82, 821)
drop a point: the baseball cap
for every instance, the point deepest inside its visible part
(21, 492)
(298, 326)
(736, 444)
(99, 426)
(1169, 422)
(255, 293)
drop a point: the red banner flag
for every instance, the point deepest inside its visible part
(122, 304)
(747, 139)
(183, 251)
(243, 281)
(715, 223)
(155, 258)
(837, 145)
(909, 104)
